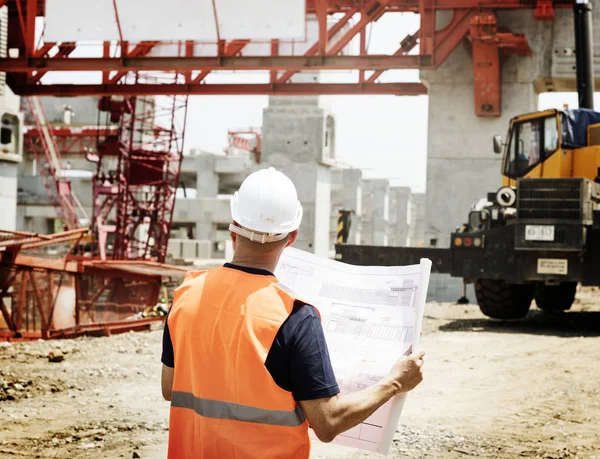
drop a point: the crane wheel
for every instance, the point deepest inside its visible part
(499, 300)
(555, 298)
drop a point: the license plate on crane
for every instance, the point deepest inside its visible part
(539, 233)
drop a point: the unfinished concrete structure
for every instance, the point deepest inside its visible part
(299, 139)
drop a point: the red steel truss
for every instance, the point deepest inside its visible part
(473, 19)
(50, 167)
(69, 294)
(70, 140)
(133, 205)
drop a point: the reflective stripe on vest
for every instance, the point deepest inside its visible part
(233, 411)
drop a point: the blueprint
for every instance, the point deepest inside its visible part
(371, 316)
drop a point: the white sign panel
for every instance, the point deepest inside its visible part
(96, 20)
(552, 266)
(539, 233)
(371, 316)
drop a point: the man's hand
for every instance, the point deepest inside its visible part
(331, 416)
(406, 374)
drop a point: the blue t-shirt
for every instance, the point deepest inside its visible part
(298, 359)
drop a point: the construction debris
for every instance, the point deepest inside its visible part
(48, 289)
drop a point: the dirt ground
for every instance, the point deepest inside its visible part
(491, 390)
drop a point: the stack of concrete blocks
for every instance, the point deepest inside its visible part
(189, 249)
(416, 233)
(399, 216)
(375, 212)
(297, 139)
(461, 166)
(346, 194)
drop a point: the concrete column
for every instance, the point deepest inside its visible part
(461, 167)
(207, 180)
(416, 233)
(375, 210)
(298, 140)
(398, 216)
(8, 195)
(207, 186)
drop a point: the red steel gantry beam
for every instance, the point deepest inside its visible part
(25, 73)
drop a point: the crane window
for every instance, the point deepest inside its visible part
(531, 142)
(550, 136)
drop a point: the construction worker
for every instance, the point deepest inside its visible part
(245, 363)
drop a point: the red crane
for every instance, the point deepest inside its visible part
(49, 165)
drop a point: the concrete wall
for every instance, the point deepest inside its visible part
(84, 110)
(461, 167)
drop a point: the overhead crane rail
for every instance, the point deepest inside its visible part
(31, 60)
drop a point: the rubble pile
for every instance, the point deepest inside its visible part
(14, 388)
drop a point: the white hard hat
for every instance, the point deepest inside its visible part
(266, 207)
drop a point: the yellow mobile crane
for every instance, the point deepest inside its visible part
(538, 236)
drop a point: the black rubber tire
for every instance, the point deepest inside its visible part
(500, 300)
(555, 298)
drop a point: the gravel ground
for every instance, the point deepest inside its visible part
(491, 390)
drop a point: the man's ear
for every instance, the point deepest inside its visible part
(292, 238)
(233, 237)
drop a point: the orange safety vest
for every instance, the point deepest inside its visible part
(225, 403)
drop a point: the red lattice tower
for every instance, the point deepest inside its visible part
(133, 203)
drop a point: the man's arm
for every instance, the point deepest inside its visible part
(168, 360)
(331, 416)
(166, 382)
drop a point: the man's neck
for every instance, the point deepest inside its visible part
(268, 265)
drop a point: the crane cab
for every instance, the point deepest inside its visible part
(551, 144)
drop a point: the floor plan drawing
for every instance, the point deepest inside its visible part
(371, 316)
